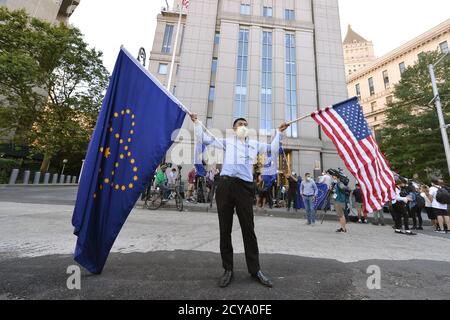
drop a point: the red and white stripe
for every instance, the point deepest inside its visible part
(186, 3)
(362, 158)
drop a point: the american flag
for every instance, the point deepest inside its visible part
(186, 3)
(346, 126)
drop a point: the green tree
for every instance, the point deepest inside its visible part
(51, 85)
(411, 138)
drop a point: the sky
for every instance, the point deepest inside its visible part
(388, 24)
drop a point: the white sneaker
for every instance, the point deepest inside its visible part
(359, 221)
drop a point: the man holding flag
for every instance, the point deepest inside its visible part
(235, 191)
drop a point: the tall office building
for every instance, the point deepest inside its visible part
(266, 60)
(51, 10)
(358, 52)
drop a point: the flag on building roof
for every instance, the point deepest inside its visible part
(345, 125)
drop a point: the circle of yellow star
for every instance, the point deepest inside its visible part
(107, 153)
(130, 186)
(122, 156)
(129, 154)
(117, 136)
(126, 148)
(123, 188)
(135, 169)
(129, 139)
(95, 195)
(128, 111)
(132, 124)
(101, 187)
(132, 161)
(106, 180)
(131, 131)
(121, 141)
(132, 117)
(113, 173)
(135, 178)
(116, 115)
(123, 112)
(117, 187)
(117, 164)
(101, 149)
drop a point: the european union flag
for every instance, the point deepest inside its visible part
(133, 132)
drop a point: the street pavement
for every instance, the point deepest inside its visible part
(175, 255)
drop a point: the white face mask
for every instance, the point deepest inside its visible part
(242, 132)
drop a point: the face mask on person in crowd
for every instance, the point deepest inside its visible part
(308, 178)
(242, 132)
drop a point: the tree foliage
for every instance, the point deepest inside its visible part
(411, 137)
(51, 85)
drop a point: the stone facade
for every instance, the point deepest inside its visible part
(51, 10)
(358, 52)
(386, 71)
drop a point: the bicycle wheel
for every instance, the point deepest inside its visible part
(153, 200)
(179, 202)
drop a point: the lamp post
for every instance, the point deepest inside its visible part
(437, 101)
(65, 161)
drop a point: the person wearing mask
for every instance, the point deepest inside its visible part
(309, 192)
(399, 208)
(414, 211)
(292, 191)
(362, 215)
(425, 194)
(440, 209)
(325, 178)
(236, 192)
(339, 196)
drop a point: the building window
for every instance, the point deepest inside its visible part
(358, 90)
(266, 84)
(245, 9)
(373, 106)
(389, 100)
(289, 14)
(267, 11)
(371, 87)
(240, 99)
(402, 67)
(167, 41)
(386, 79)
(163, 68)
(214, 65)
(217, 37)
(291, 85)
(212, 94)
(444, 47)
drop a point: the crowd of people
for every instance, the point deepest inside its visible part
(412, 200)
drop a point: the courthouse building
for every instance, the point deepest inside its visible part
(358, 52)
(269, 61)
(50, 10)
(374, 84)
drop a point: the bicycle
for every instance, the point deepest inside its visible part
(155, 199)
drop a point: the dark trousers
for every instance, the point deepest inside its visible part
(416, 214)
(399, 212)
(237, 194)
(292, 197)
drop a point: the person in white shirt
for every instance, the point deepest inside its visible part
(425, 193)
(171, 177)
(399, 208)
(440, 209)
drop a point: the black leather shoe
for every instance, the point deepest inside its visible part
(226, 279)
(261, 278)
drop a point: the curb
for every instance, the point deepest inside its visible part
(56, 185)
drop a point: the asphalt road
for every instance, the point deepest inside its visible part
(172, 255)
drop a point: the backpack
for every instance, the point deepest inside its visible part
(420, 201)
(443, 196)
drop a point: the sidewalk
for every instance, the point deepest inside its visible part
(275, 212)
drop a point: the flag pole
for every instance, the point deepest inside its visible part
(297, 120)
(172, 64)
